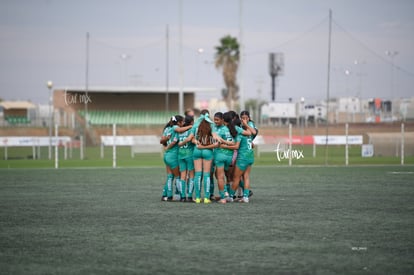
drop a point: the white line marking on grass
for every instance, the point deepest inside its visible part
(401, 173)
(359, 248)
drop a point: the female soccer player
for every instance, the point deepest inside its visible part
(203, 155)
(186, 162)
(246, 115)
(224, 154)
(244, 161)
(169, 140)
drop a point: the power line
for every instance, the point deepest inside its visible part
(292, 40)
(381, 57)
(118, 48)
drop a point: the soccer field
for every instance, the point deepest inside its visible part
(301, 220)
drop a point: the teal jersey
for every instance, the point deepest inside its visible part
(174, 137)
(187, 149)
(245, 149)
(224, 132)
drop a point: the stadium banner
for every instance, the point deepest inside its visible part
(117, 140)
(12, 141)
(130, 140)
(338, 140)
(309, 140)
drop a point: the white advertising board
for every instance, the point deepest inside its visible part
(367, 150)
(13, 141)
(338, 140)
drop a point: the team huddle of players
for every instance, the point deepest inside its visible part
(199, 150)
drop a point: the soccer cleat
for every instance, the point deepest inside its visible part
(197, 200)
(244, 200)
(182, 199)
(212, 197)
(207, 200)
(189, 200)
(237, 199)
(229, 199)
(222, 201)
(169, 198)
(164, 198)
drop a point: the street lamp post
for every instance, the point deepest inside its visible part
(199, 52)
(347, 76)
(50, 86)
(392, 54)
(360, 75)
(125, 57)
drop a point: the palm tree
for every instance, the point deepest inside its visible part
(227, 59)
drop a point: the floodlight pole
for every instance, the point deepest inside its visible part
(86, 95)
(181, 68)
(328, 82)
(87, 80)
(273, 74)
(167, 68)
(241, 57)
(275, 69)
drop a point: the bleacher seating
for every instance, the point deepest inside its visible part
(101, 117)
(14, 120)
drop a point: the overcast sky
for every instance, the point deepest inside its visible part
(43, 40)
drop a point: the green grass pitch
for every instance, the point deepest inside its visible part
(300, 220)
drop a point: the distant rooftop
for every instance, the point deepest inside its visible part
(17, 105)
(132, 89)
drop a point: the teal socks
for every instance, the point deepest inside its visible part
(197, 182)
(183, 188)
(206, 179)
(190, 189)
(168, 185)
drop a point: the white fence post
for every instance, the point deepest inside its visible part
(290, 144)
(102, 150)
(314, 150)
(402, 143)
(6, 155)
(56, 147)
(81, 147)
(114, 146)
(346, 145)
